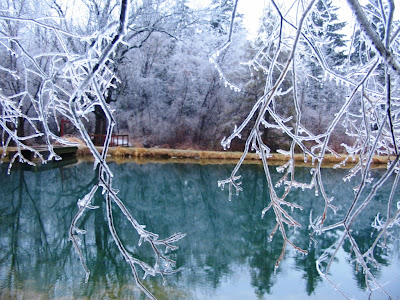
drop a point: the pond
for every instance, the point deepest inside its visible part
(225, 254)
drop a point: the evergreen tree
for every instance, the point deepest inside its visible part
(325, 28)
(320, 95)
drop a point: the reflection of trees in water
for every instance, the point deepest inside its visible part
(35, 217)
(169, 198)
(184, 197)
(264, 253)
(361, 231)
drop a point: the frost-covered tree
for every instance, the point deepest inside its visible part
(172, 86)
(368, 108)
(162, 17)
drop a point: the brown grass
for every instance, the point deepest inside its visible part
(226, 157)
(124, 154)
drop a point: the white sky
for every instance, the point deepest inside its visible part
(252, 11)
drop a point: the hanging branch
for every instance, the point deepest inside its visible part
(72, 85)
(372, 129)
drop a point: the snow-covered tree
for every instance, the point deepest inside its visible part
(173, 86)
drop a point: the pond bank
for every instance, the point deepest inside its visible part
(122, 154)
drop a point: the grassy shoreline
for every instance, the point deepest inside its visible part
(124, 154)
(120, 154)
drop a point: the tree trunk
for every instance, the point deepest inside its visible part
(100, 129)
(21, 127)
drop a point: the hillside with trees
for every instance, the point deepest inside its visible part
(166, 93)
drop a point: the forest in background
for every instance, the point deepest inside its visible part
(166, 93)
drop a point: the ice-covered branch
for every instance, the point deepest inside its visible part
(255, 143)
(301, 49)
(68, 77)
(215, 55)
(363, 21)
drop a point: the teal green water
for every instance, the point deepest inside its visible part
(225, 255)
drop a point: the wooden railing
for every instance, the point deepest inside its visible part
(117, 140)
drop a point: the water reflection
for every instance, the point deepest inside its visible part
(224, 239)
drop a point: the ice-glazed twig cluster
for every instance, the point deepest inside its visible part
(68, 81)
(292, 52)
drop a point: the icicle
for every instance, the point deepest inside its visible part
(221, 184)
(140, 240)
(276, 268)
(87, 276)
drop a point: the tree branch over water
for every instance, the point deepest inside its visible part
(304, 37)
(71, 81)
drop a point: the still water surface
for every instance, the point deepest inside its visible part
(225, 255)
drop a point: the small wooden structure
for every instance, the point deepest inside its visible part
(117, 140)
